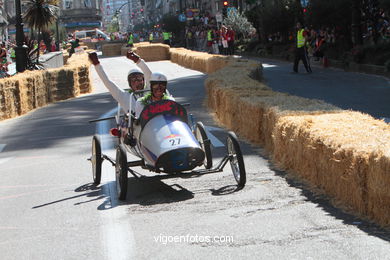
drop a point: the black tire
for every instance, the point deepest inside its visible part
(236, 159)
(121, 172)
(201, 136)
(96, 160)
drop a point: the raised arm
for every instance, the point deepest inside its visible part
(121, 96)
(142, 65)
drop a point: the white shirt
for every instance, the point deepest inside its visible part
(120, 95)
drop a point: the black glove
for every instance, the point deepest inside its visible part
(132, 56)
(93, 58)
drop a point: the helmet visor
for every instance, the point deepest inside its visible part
(158, 83)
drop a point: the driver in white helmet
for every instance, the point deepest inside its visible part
(136, 78)
(158, 91)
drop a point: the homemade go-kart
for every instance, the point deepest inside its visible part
(165, 142)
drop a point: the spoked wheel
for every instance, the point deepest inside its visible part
(236, 159)
(201, 136)
(96, 160)
(121, 172)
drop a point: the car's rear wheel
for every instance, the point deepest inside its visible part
(121, 172)
(236, 159)
(205, 144)
(96, 160)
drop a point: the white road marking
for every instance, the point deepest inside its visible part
(2, 146)
(4, 160)
(118, 236)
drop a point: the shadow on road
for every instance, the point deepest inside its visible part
(324, 203)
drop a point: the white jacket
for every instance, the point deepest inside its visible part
(120, 95)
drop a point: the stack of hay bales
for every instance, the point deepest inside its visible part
(112, 49)
(200, 61)
(32, 89)
(151, 52)
(346, 154)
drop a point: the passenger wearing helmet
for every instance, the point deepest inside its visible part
(158, 91)
(136, 79)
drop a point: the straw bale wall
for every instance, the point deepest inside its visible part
(204, 62)
(111, 49)
(32, 89)
(152, 52)
(345, 154)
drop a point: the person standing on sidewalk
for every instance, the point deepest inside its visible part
(300, 51)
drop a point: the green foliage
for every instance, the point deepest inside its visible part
(40, 13)
(172, 24)
(385, 4)
(272, 16)
(329, 13)
(279, 16)
(141, 27)
(239, 24)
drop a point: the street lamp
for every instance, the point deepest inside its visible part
(117, 12)
(20, 49)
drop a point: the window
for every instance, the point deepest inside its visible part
(87, 3)
(68, 4)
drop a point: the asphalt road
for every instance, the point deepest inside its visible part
(49, 208)
(369, 94)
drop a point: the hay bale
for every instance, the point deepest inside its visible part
(201, 61)
(152, 52)
(32, 89)
(111, 49)
(343, 153)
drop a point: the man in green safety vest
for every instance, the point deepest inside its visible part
(300, 51)
(130, 40)
(150, 37)
(210, 39)
(166, 38)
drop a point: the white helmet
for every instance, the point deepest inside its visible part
(158, 76)
(135, 71)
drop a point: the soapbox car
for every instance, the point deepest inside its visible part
(165, 142)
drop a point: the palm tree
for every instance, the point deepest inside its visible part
(40, 13)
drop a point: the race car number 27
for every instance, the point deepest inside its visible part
(174, 141)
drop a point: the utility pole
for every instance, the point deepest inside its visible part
(20, 49)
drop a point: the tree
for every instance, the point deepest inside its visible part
(172, 24)
(239, 24)
(385, 4)
(40, 14)
(272, 16)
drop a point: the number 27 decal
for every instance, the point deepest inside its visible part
(174, 141)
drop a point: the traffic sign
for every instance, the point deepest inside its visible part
(182, 18)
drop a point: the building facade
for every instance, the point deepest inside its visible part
(4, 22)
(81, 14)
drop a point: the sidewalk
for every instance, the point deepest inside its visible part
(350, 67)
(348, 90)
